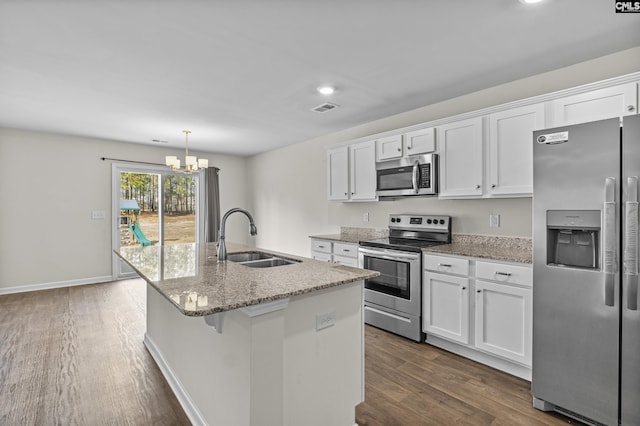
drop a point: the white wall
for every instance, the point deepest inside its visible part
(288, 185)
(49, 184)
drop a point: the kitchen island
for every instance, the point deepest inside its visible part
(254, 346)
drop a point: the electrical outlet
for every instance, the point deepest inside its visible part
(325, 320)
(97, 214)
(494, 220)
(365, 217)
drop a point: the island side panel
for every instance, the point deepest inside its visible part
(271, 369)
(324, 369)
(213, 369)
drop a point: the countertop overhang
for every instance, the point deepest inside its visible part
(190, 276)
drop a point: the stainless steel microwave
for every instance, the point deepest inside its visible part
(408, 176)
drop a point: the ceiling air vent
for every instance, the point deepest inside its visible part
(325, 107)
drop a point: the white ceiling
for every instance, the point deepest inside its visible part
(241, 75)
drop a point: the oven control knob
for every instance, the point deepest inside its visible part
(398, 220)
(393, 219)
(429, 221)
(441, 221)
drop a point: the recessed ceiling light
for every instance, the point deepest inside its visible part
(530, 1)
(326, 90)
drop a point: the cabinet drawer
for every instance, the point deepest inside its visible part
(321, 246)
(500, 272)
(449, 265)
(345, 249)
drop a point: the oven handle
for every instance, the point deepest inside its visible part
(390, 255)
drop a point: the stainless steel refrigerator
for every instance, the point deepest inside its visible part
(586, 323)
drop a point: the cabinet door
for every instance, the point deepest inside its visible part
(343, 260)
(362, 171)
(504, 321)
(389, 148)
(461, 161)
(511, 149)
(338, 173)
(420, 141)
(599, 104)
(446, 306)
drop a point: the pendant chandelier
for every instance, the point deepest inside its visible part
(191, 162)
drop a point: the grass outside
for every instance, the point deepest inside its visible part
(178, 229)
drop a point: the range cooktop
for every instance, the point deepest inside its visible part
(412, 232)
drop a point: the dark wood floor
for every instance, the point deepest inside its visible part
(75, 356)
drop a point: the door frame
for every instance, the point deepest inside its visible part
(161, 171)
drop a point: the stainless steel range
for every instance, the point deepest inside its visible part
(393, 300)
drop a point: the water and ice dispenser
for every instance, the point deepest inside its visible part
(573, 238)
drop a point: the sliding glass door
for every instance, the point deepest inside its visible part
(153, 206)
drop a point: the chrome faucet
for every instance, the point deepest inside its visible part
(222, 247)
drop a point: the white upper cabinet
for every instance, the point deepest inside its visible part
(510, 159)
(415, 142)
(389, 148)
(351, 172)
(460, 145)
(420, 141)
(362, 171)
(616, 101)
(338, 174)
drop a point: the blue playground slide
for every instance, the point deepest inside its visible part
(137, 232)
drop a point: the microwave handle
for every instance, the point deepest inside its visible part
(416, 173)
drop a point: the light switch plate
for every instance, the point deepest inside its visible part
(97, 214)
(494, 220)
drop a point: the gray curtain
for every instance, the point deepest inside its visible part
(212, 204)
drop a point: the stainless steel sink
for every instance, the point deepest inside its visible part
(257, 259)
(248, 256)
(269, 263)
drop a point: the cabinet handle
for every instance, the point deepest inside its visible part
(408, 147)
(477, 186)
(399, 149)
(478, 291)
(346, 250)
(320, 246)
(504, 274)
(493, 185)
(346, 193)
(464, 288)
(353, 193)
(445, 265)
(630, 108)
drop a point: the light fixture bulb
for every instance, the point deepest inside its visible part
(530, 1)
(326, 90)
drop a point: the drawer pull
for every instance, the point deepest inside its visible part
(445, 265)
(504, 274)
(321, 246)
(464, 288)
(346, 250)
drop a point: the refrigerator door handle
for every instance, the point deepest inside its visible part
(609, 240)
(630, 255)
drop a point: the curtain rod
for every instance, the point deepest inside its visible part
(141, 162)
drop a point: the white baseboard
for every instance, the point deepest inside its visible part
(57, 284)
(181, 394)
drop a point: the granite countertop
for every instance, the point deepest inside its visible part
(190, 276)
(354, 235)
(509, 249)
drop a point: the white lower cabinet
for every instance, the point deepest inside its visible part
(480, 309)
(446, 306)
(339, 252)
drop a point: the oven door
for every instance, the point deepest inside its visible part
(399, 285)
